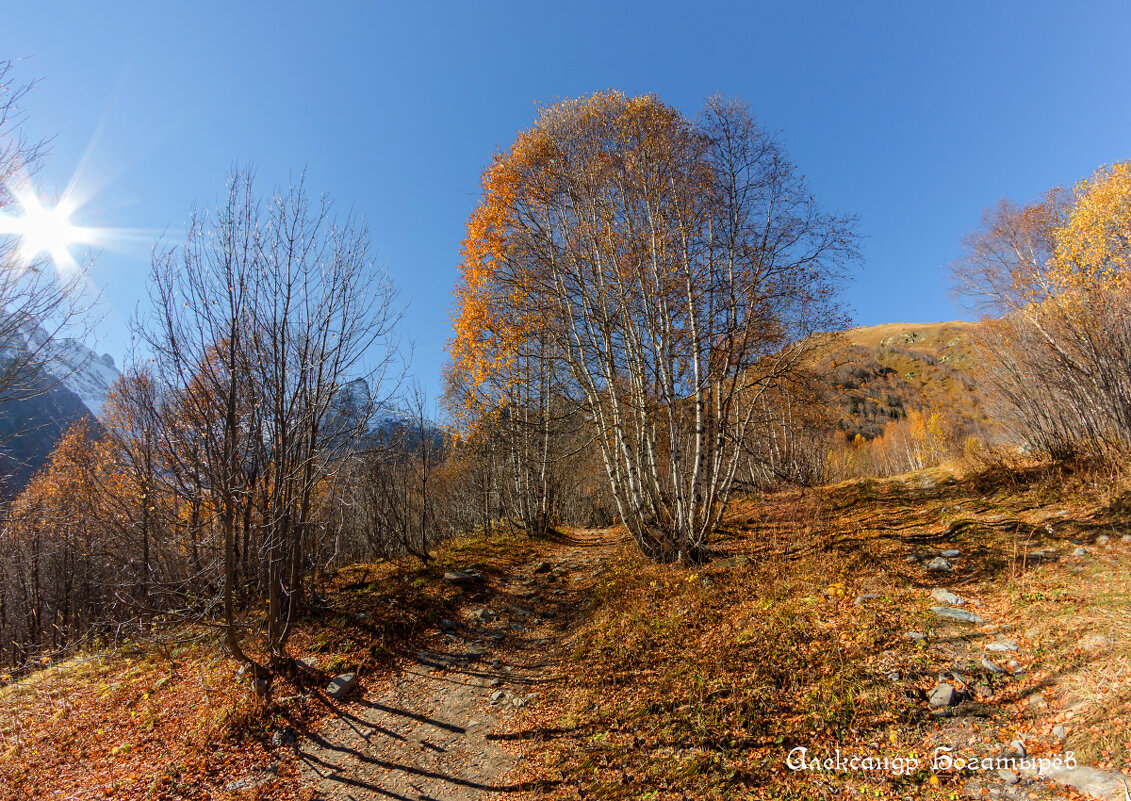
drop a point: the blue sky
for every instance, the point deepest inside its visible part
(913, 116)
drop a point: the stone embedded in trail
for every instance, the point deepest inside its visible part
(950, 553)
(991, 667)
(1008, 776)
(283, 737)
(497, 695)
(1088, 780)
(342, 685)
(1103, 539)
(956, 614)
(1002, 646)
(1094, 642)
(463, 577)
(1059, 732)
(868, 596)
(1080, 552)
(447, 625)
(255, 780)
(1125, 538)
(917, 636)
(942, 695)
(946, 597)
(939, 564)
(482, 615)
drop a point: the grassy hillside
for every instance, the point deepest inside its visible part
(880, 373)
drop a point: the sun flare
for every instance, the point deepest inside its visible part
(44, 230)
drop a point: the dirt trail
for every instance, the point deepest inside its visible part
(431, 731)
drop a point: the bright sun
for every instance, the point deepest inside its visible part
(44, 230)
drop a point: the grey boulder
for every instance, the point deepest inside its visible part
(341, 686)
(463, 577)
(946, 597)
(956, 614)
(1002, 646)
(942, 695)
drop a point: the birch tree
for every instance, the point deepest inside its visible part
(1056, 275)
(672, 269)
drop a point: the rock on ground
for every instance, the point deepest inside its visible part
(942, 695)
(463, 577)
(342, 685)
(946, 597)
(1090, 780)
(1002, 646)
(956, 614)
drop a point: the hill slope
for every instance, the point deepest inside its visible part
(880, 373)
(75, 385)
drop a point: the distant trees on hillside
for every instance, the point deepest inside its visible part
(647, 279)
(1057, 273)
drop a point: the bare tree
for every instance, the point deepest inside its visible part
(260, 322)
(323, 318)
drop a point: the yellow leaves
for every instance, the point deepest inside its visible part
(1095, 244)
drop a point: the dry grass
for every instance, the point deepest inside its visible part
(694, 683)
(153, 722)
(678, 682)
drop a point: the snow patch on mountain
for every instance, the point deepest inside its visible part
(83, 372)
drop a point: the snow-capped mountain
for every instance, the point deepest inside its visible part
(354, 406)
(71, 364)
(83, 372)
(66, 382)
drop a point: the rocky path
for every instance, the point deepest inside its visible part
(432, 731)
(979, 658)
